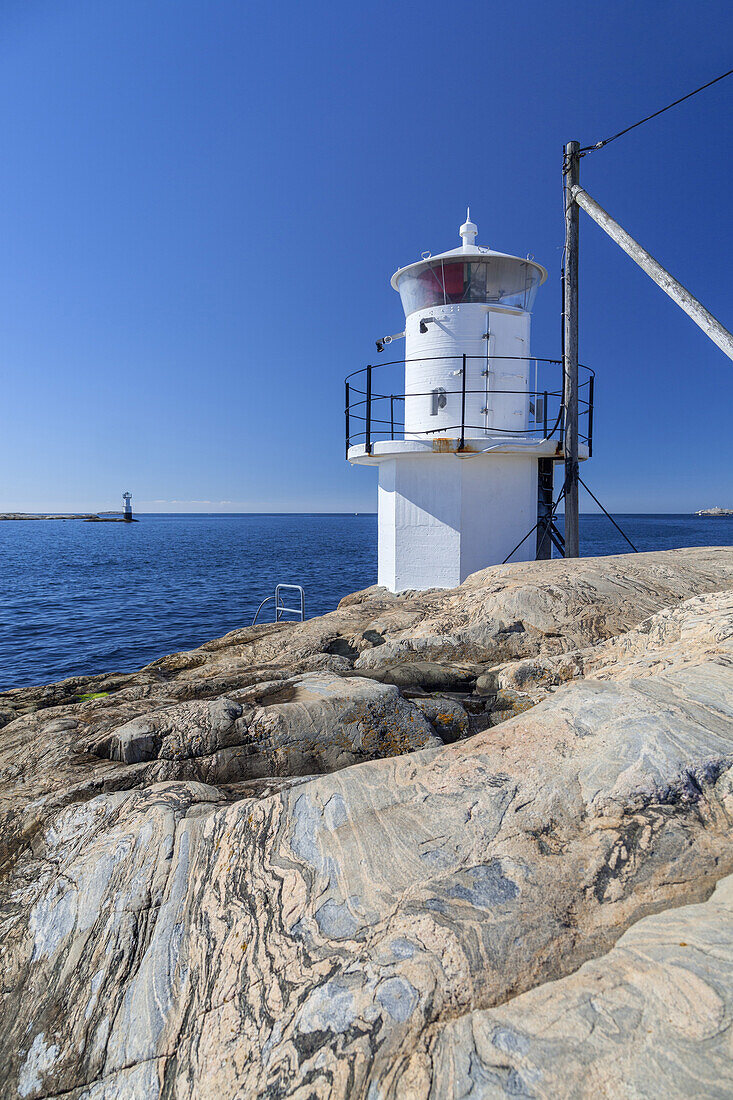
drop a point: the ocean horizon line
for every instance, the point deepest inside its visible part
(278, 512)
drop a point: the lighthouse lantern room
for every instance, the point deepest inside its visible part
(458, 449)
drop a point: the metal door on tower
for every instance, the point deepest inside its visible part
(506, 374)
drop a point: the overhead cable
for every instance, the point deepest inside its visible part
(608, 515)
(599, 144)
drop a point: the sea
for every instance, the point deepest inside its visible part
(81, 598)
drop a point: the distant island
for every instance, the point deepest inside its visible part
(715, 512)
(92, 517)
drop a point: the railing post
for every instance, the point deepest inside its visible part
(463, 405)
(348, 431)
(544, 408)
(590, 415)
(368, 439)
(391, 414)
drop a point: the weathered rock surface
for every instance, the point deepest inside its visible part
(671, 639)
(650, 1018)
(447, 716)
(188, 910)
(299, 726)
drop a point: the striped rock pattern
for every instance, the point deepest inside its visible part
(539, 909)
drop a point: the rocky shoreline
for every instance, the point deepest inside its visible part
(462, 843)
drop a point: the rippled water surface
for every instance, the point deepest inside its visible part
(81, 597)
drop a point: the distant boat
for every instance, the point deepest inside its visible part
(715, 512)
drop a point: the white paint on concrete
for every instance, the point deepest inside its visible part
(393, 448)
(442, 517)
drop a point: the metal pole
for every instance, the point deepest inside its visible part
(368, 439)
(591, 387)
(391, 414)
(570, 354)
(347, 420)
(543, 550)
(676, 291)
(463, 405)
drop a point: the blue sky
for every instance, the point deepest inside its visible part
(202, 204)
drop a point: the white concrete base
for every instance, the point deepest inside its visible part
(442, 517)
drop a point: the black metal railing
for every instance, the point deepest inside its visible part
(370, 415)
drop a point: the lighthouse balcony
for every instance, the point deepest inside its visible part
(463, 405)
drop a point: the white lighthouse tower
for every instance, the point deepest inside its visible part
(458, 471)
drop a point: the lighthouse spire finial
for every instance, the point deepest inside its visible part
(468, 230)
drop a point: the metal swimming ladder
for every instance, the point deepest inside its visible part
(281, 608)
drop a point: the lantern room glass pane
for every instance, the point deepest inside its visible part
(498, 279)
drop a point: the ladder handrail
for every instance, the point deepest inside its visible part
(281, 608)
(266, 600)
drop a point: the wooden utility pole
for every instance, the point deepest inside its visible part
(571, 169)
(676, 291)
